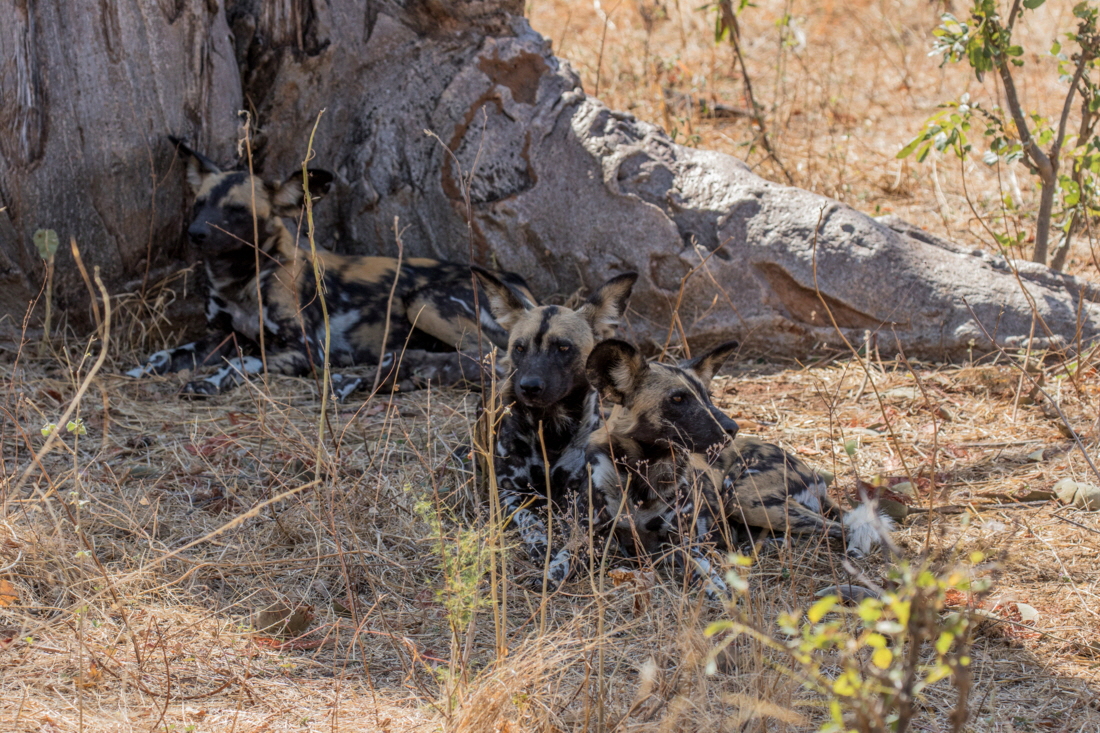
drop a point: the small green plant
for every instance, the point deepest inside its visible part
(1066, 164)
(872, 662)
(464, 560)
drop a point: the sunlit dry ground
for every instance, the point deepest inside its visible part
(195, 517)
(844, 86)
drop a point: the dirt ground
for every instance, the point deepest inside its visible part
(196, 517)
(150, 560)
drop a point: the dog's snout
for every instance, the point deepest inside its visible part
(727, 423)
(198, 231)
(531, 386)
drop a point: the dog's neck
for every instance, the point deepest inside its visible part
(563, 421)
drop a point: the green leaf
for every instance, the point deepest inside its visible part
(819, 609)
(1072, 194)
(876, 641)
(870, 610)
(1032, 4)
(908, 149)
(45, 240)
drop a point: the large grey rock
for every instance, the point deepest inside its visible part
(522, 170)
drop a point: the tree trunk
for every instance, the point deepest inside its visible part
(535, 177)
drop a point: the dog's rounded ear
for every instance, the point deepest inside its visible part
(288, 197)
(505, 304)
(605, 307)
(198, 165)
(615, 369)
(706, 365)
(320, 182)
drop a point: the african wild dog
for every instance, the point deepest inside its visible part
(431, 307)
(549, 412)
(666, 447)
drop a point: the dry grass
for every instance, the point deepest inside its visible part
(844, 87)
(199, 515)
(135, 558)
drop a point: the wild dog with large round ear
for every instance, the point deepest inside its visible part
(669, 464)
(540, 445)
(664, 416)
(263, 289)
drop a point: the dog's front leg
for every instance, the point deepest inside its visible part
(208, 350)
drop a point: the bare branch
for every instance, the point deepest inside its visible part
(1013, 14)
(1042, 162)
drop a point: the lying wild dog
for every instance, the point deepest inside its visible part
(550, 410)
(667, 465)
(768, 488)
(430, 307)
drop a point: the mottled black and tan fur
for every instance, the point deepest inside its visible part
(641, 459)
(658, 462)
(432, 307)
(547, 412)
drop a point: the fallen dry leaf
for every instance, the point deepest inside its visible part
(281, 620)
(9, 595)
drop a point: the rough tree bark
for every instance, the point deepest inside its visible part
(523, 170)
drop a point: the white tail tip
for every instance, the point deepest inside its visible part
(866, 528)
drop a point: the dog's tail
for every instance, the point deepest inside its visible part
(867, 528)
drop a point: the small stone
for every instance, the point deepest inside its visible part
(1081, 495)
(901, 393)
(1028, 613)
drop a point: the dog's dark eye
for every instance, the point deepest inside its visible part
(519, 348)
(678, 399)
(564, 348)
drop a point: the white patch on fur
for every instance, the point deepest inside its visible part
(159, 360)
(808, 499)
(244, 367)
(604, 474)
(715, 584)
(213, 309)
(865, 528)
(813, 496)
(339, 325)
(343, 386)
(558, 570)
(269, 324)
(466, 306)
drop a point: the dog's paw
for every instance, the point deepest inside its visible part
(535, 584)
(198, 389)
(157, 363)
(342, 387)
